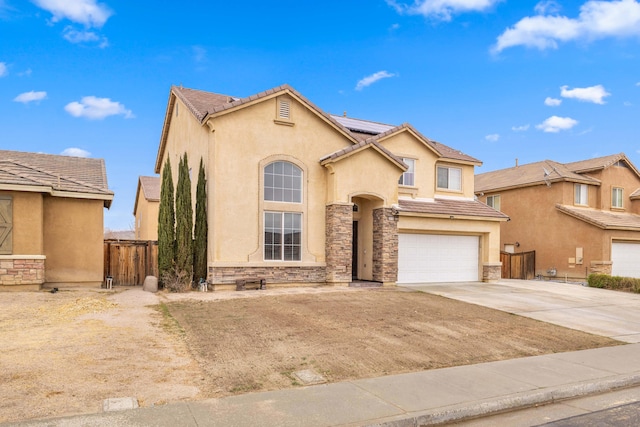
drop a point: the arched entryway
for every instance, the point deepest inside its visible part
(364, 240)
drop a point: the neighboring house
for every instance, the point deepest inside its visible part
(298, 196)
(580, 217)
(51, 220)
(145, 210)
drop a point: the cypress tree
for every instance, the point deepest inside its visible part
(200, 227)
(166, 224)
(184, 221)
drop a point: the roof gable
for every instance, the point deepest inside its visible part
(361, 146)
(149, 188)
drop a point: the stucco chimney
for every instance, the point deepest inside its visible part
(516, 162)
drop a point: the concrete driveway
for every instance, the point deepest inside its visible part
(598, 311)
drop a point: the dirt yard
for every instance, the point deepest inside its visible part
(65, 353)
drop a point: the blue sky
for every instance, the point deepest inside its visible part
(496, 79)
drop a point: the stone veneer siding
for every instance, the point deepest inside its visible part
(601, 267)
(338, 243)
(491, 272)
(385, 246)
(18, 270)
(219, 275)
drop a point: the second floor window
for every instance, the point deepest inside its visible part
(494, 202)
(449, 178)
(282, 182)
(581, 194)
(408, 177)
(616, 198)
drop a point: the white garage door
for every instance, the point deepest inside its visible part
(426, 258)
(626, 259)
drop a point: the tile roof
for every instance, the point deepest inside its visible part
(529, 174)
(150, 187)
(595, 164)
(202, 104)
(454, 207)
(603, 219)
(55, 173)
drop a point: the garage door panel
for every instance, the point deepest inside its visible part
(426, 258)
(625, 257)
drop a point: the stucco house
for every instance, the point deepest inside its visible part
(51, 220)
(580, 218)
(145, 210)
(298, 196)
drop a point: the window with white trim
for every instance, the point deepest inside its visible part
(449, 178)
(616, 198)
(283, 182)
(494, 201)
(409, 177)
(581, 194)
(282, 236)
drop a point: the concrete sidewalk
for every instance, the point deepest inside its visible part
(415, 399)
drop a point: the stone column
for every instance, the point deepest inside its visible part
(339, 236)
(491, 272)
(385, 246)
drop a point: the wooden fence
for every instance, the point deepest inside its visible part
(128, 262)
(518, 266)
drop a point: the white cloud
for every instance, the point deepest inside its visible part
(494, 137)
(587, 94)
(32, 96)
(26, 72)
(369, 80)
(638, 84)
(86, 12)
(547, 7)
(75, 152)
(520, 128)
(627, 104)
(555, 124)
(597, 19)
(95, 108)
(441, 9)
(4, 71)
(552, 102)
(74, 36)
(199, 53)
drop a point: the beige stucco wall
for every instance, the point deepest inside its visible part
(27, 222)
(73, 240)
(146, 218)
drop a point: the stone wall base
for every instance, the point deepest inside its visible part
(273, 275)
(22, 270)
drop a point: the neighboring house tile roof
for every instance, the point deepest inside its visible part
(537, 173)
(453, 207)
(603, 219)
(598, 163)
(55, 173)
(150, 187)
(203, 104)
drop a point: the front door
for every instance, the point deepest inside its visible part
(354, 252)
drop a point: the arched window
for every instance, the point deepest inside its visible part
(283, 182)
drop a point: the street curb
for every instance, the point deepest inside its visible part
(509, 403)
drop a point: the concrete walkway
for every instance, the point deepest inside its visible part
(442, 395)
(415, 399)
(598, 311)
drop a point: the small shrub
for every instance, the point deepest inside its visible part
(176, 280)
(605, 281)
